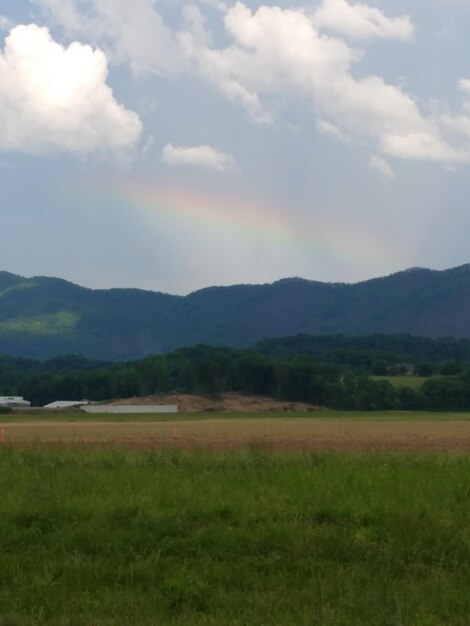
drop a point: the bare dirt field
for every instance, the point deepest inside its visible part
(229, 401)
(290, 434)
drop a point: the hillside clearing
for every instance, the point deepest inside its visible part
(413, 382)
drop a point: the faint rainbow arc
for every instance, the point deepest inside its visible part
(328, 236)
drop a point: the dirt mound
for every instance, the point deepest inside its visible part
(238, 402)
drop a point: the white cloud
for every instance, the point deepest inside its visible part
(275, 56)
(132, 32)
(56, 98)
(327, 128)
(273, 51)
(361, 21)
(381, 165)
(201, 156)
(372, 109)
(464, 85)
(65, 13)
(281, 52)
(140, 36)
(5, 23)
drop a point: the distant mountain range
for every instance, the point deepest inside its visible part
(42, 317)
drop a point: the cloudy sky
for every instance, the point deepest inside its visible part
(171, 145)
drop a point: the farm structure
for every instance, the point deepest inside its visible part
(14, 401)
(130, 408)
(65, 404)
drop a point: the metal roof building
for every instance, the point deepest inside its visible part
(14, 401)
(64, 404)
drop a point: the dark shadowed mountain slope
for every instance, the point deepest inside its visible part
(41, 317)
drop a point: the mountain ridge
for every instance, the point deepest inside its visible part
(41, 317)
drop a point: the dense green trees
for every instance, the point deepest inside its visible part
(339, 379)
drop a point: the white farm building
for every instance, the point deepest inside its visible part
(14, 401)
(65, 404)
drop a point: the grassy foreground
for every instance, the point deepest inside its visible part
(105, 537)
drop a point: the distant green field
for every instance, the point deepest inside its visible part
(414, 382)
(78, 416)
(241, 539)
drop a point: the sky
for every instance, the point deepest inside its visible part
(169, 145)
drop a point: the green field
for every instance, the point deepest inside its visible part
(374, 416)
(414, 382)
(112, 538)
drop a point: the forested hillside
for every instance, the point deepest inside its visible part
(44, 317)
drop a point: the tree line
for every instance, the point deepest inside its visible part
(211, 370)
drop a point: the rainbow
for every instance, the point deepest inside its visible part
(325, 238)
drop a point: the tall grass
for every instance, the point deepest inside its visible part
(112, 538)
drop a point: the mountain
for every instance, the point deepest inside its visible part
(42, 317)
